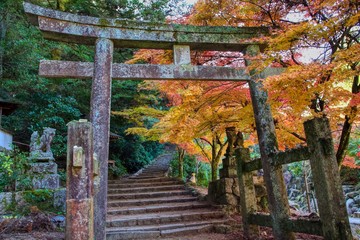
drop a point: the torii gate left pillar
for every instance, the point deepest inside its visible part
(100, 118)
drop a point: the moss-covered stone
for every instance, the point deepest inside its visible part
(104, 22)
(135, 34)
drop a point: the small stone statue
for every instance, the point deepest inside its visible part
(40, 147)
(193, 178)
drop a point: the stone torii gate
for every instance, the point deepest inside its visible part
(106, 34)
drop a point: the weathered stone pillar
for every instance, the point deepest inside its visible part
(247, 192)
(274, 180)
(79, 182)
(100, 118)
(334, 219)
(229, 163)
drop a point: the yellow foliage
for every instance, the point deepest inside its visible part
(201, 109)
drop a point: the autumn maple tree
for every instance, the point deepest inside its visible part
(318, 44)
(200, 111)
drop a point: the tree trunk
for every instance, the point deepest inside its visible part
(181, 153)
(214, 164)
(346, 130)
(216, 154)
(214, 169)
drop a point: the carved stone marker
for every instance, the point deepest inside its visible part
(79, 182)
(43, 169)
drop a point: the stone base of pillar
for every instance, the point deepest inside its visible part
(225, 191)
(45, 175)
(46, 181)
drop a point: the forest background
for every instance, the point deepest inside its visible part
(193, 115)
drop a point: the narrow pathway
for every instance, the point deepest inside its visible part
(151, 205)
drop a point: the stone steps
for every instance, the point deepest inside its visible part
(162, 218)
(151, 206)
(142, 202)
(146, 180)
(152, 172)
(157, 227)
(137, 185)
(146, 189)
(152, 180)
(147, 195)
(158, 231)
(176, 206)
(147, 176)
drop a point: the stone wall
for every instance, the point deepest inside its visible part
(11, 200)
(224, 191)
(5, 199)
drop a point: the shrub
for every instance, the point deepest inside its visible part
(192, 165)
(13, 168)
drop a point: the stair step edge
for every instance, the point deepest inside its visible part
(187, 230)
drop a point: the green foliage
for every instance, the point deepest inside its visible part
(47, 110)
(6, 170)
(13, 167)
(154, 11)
(189, 166)
(254, 151)
(296, 168)
(354, 147)
(54, 102)
(133, 152)
(202, 170)
(204, 174)
(41, 198)
(118, 170)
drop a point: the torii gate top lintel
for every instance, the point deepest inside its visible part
(62, 26)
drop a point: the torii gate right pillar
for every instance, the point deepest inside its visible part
(274, 180)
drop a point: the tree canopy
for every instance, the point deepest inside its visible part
(316, 41)
(55, 102)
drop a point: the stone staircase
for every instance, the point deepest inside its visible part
(151, 205)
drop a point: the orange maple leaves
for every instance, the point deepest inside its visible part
(200, 109)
